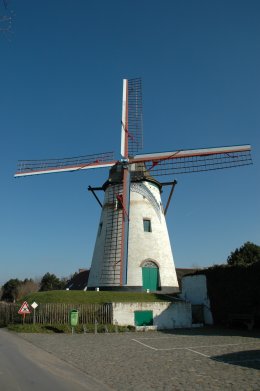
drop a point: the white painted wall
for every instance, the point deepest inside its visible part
(155, 245)
(194, 289)
(166, 315)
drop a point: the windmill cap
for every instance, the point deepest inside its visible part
(138, 173)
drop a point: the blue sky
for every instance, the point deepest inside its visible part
(61, 72)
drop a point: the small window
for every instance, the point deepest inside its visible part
(147, 225)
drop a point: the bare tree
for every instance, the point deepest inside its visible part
(27, 287)
(6, 17)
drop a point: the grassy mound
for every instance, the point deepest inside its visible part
(81, 297)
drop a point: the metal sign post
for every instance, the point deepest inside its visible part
(34, 305)
(24, 310)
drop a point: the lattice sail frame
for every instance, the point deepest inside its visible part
(49, 166)
(196, 160)
(132, 118)
(135, 117)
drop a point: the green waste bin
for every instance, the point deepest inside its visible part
(74, 317)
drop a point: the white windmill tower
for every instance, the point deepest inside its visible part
(132, 250)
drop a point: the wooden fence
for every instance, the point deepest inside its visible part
(58, 313)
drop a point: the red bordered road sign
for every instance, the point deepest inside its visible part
(24, 308)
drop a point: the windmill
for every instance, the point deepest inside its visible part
(133, 250)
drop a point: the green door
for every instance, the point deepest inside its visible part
(150, 278)
(143, 318)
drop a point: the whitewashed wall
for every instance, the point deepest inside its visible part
(155, 245)
(194, 289)
(166, 315)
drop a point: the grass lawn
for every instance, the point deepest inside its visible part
(81, 297)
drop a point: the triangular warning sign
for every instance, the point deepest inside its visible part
(24, 308)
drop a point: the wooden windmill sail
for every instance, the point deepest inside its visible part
(132, 248)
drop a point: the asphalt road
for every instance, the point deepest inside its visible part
(25, 367)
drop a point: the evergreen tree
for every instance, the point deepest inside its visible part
(11, 290)
(50, 282)
(247, 254)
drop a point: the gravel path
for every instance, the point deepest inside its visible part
(183, 360)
